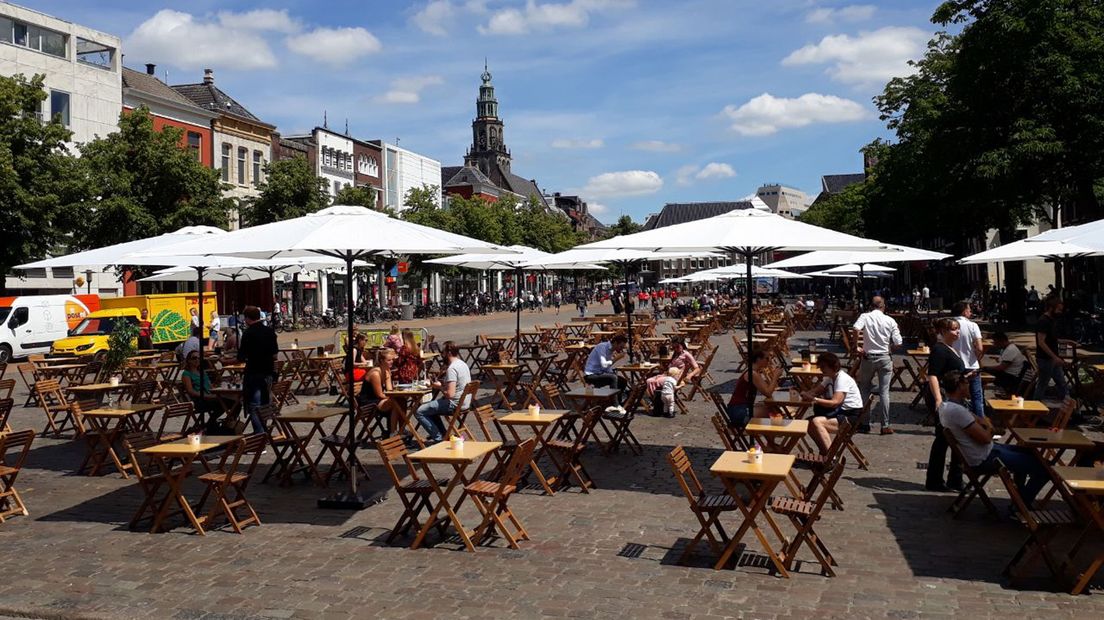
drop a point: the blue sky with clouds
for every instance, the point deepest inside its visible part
(631, 103)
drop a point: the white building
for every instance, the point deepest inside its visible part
(82, 68)
(785, 201)
(83, 82)
(333, 161)
(404, 170)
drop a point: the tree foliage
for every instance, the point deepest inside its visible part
(359, 196)
(290, 190)
(37, 176)
(843, 211)
(624, 226)
(140, 183)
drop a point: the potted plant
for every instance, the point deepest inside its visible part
(122, 344)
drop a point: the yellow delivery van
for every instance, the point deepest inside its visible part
(170, 316)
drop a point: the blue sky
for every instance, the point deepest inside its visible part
(631, 103)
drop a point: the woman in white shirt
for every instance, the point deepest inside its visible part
(215, 327)
(837, 398)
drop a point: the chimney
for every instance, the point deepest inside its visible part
(209, 77)
(151, 69)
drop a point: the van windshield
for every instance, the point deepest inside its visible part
(100, 326)
(4, 312)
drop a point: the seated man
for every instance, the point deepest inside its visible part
(599, 365)
(836, 398)
(1007, 373)
(457, 376)
(975, 439)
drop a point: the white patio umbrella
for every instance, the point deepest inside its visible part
(1033, 248)
(820, 258)
(873, 275)
(584, 255)
(1089, 235)
(739, 270)
(526, 258)
(860, 269)
(746, 233)
(347, 233)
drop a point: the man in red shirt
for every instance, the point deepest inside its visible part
(145, 331)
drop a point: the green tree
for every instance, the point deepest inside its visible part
(422, 207)
(142, 183)
(842, 212)
(359, 196)
(37, 174)
(624, 226)
(543, 229)
(290, 190)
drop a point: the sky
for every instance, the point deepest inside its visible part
(629, 103)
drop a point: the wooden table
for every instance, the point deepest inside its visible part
(459, 460)
(806, 380)
(779, 439)
(409, 399)
(1011, 411)
(539, 424)
(470, 354)
(183, 451)
(760, 479)
(108, 424)
(635, 373)
(97, 390)
(919, 374)
(1059, 441)
(301, 459)
(507, 383)
(232, 397)
(1086, 485)
(789, 403)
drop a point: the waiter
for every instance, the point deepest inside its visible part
(258, 349)
(879, 335)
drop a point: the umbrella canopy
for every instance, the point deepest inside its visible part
(856, 269)
(746, 232)
(119, 254)
(583, 257)
(739, 270)
(255, 270)
(897, 254)
(349, 233)
(525, 258)
(1086, 235)
(1028, 249)
(838, 274)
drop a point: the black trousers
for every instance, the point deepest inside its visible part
(937, 458)
(615, 381)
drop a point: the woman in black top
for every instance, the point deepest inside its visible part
(942, 359)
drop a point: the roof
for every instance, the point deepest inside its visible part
(682, 212)
(525, 188)
(211, 97)
(447, 172)
(835, 183)
(149, 84)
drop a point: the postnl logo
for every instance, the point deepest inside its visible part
(75, 311)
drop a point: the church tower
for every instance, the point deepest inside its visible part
(488, 149)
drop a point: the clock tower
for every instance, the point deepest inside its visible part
(488, 149)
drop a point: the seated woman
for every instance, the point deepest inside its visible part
(377, 380)
(360, 358)
(409, 364)
(760, 378)
(835, 399)
(683, 360)
(198, 387)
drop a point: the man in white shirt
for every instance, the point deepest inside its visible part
(1007, 373)
(969, 348)
(925, 296)
(879, 335)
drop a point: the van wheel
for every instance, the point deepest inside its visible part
(5, 354)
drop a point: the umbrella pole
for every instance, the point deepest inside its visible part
(628, 311)
(517, 312)
(862, 287)
(750, 313)
(199, 289)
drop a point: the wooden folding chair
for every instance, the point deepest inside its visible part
(620, 423)
(733, 437)
(821, 465)
(232, 476)
(803, 513)
(564, 428)
(460, 412)
(29, 375)
(51, 399)
(343, 447)
(975, 482)
(282, 395)
(3, 369)
(144, 391)
(7, 387)
(183, 413)
(145, 470)
(284, 455)
(312, 373)
(706, 507)
(6, 406)
(1042, 526)
(13, 452)
(415, 494)
(566, 455)
(492, 498)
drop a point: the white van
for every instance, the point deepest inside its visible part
(29, 324)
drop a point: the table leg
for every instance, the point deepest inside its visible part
(759, 498)
(443, 502)
(175, 481)
(538, 434)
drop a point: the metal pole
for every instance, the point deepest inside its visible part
(750, 313)
(628, 311)
(199, 289)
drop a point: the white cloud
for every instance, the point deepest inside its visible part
(657, 146)
(766, 114)
(577, 143)
(409, 89)
(260, 19)
(434, 17)
(869, 58)
(597, 208)
(178, 39)
(851, 13)
(625, 183)
(686, 175)
(537, 15)
(335, 46)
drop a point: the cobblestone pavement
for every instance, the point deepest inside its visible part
(609, 554)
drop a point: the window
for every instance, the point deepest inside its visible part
(225, 162)
(20, 34)
(195, 142)
(95, 54)
(256, 168)
(6, 29)
(59, 106)
(327, 159)
(242, 154)
(34, 37)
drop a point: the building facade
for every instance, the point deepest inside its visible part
(404, 170)
(575, 208)
(786, 201)
(82, 68)
(170, 109)
(368, 168)
(242, 142)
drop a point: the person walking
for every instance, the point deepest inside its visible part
(925, 297)
(1051, 365)
(258, 349)
(880, 334)
(969, 348)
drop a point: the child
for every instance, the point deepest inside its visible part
(394, 339)
(662, 389)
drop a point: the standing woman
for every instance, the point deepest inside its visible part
(214, 328)
(942, 359)
(409, 364)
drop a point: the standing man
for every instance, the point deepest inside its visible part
(880, 334)
(145, 331)
(969, 348)
(1051, 365)
(925, 297)
(258, 349)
